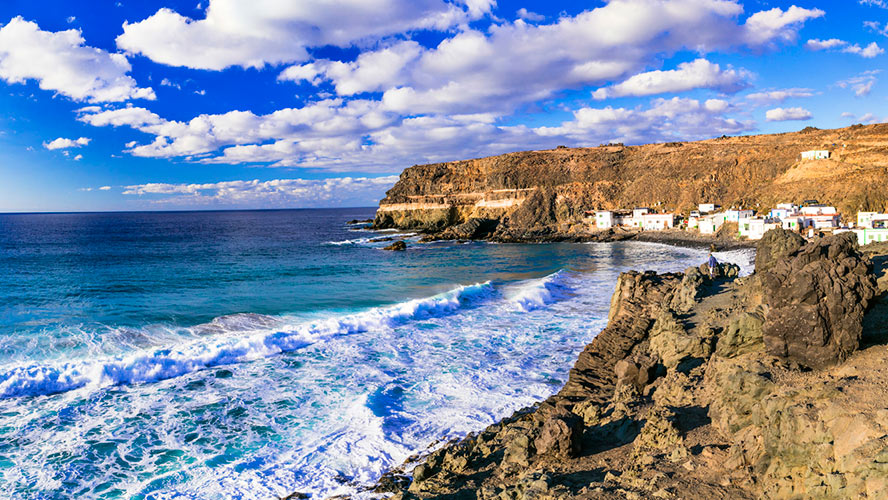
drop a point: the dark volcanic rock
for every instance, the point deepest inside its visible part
(776, 244)
(475, 228)
(817, 298)
(561, 435)
(397, 246)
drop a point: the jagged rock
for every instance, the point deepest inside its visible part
(724, 270)
(398, 246)
(637, 370)
(817, 298)
(744, 334)
(637, 301)
(673, 344)
(686, 295)
(475, 228)
(659, 436)
(775, 245)
(560, 435)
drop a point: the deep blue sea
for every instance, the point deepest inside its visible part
(252, 354)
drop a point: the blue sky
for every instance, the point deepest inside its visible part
(122, 105)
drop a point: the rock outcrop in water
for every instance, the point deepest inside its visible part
(542, 195)
(680, 396)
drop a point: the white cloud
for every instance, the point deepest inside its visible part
(665, 120)
(786, 114)
(65, 143)
(530, 16)
(769, 26)
(342, 191)
(60, 61)
(689, 75)
(515, 63)
(867, 118)
(71, 19)
(875, 3)
(832, 43)
(166, 82)
(260, 32)
(868, 52)
(778, 96)
(78, 157)
(105, 188)
(876, 27)
(861, 84)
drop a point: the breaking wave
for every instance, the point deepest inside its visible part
(538, 293)
(235, 339)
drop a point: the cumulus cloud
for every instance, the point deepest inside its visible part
(665, 120)
(78, 157)
(876, 27)
(787, 114)
(65, 143)
(530, 16)
(260, 32)
(778, 96)
(875, 3)
(61, 62)
(105, 188)
(698, 74)
(282, 193)
(511, 64)
(861, 84)
(870, 51)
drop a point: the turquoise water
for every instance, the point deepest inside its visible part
(253, 354)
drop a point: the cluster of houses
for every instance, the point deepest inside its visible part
(808, 219)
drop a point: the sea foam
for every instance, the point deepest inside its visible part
(534, 294)
(253, 340)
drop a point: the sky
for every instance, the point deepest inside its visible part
(224, 104)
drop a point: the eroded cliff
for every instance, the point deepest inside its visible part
(539, 193)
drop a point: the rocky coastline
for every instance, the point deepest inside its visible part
(770, 385)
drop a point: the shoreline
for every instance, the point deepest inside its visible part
(635, 419)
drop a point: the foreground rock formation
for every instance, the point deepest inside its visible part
(539, 195)
(751, 387)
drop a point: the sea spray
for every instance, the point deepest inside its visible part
(141, 367)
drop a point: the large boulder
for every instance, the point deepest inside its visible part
(817, 297)
(775, 245)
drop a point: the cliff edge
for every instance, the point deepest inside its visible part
(770, 385)
(544, 194)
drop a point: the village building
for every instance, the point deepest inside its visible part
(706, 208)
(710, 224)
(783, 211)
(736, 215)
(657, 222)
(794, 223)
(866, 235)
(821, 154)
(754, 228)
(872, 220)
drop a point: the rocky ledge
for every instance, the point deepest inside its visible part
(771, 385)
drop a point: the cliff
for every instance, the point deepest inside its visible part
(768, 386)
(538, 193)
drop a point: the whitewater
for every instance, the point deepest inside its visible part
(370, 358)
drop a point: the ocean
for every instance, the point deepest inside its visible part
(253, 354)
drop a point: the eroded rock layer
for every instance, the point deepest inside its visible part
(544, 194)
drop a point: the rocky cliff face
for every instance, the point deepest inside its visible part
(539, 193)
(682, 396)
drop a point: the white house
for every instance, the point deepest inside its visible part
(794, 222)
(639, 211)
(783, 211)
(736, 215)
(604, 219)
(866, 236)
(818, 210)
(710, 224)
(657, 222)
(705, 208)
(872, 220)
(824, 221)
(815, 155)
(754, 228)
